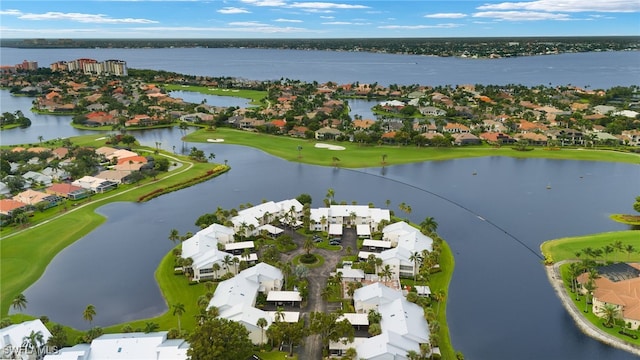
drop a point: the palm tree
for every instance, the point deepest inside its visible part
(629, 249)
(174, 235)
(40, 138)
(384, 159)
(589, 288)
(386, 272)
(178, 309)
(203, 301)
(416, 258)
(212, 156)
(607, 249)
(330, 194)
(19, 302)
(89, 313)
(428, 225)
(279, 315)
(150, 327)
(308, 245)
(34, 340)
(439, 296)
(215, 267)
(609, 313)
(236, 262)
(262, 323)
(227, 261)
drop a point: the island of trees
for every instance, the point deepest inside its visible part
(462, 47)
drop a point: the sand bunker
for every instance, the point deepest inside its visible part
(329, 147)
(215, 140)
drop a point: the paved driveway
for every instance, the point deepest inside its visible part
(312, 347)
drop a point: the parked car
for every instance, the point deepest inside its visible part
(332, 242)
(336, 239)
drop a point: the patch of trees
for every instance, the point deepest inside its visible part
(16, 117)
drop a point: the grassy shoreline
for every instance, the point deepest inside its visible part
(23, 253)
(565, 249)
(361, 156)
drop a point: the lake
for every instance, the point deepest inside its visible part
(604, 69)
(500, 305)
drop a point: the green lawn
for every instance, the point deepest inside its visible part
(360, 156)
(256, 96)
(440, 281)
(566, 248)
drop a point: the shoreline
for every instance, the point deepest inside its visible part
(555, 280)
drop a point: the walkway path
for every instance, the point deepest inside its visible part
(553, 273)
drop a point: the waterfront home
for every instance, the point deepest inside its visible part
(95, 184)
(403, 326)
(15, 344)
(202, 249)
(126, 346)
(236, 298)
(116, 176)
(9, 206)
(33, 197)
(332, 219)
(67, 190)
(400, 241)
(618, 285)
(250, 221)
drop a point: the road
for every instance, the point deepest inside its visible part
(317, 279)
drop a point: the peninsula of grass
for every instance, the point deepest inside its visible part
(566, 248)
(9, 127)
(579, 302)
(440, 281)
(26, 252)
(626, 219)
(361, 156)
(255, 96)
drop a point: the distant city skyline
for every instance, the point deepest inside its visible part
(316, 19)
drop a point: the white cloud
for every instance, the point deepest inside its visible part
(83, 18)
(325, 5)
(264, 2)
(345, 23)
(288, 20)
(11, 12)
(567, 6)
(247, 23)
(327, 17)
(521, 15)
(233, 10)
(418, 27)
(446, 16)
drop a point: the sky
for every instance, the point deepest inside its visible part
(315, 19)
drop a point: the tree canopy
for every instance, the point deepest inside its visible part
(219, 339)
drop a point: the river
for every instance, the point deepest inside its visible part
(500, 304)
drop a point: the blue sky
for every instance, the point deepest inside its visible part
(315, 19)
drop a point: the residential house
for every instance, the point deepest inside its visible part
(203, 250)
(67, 190)
(95, 184)
(466, 139)
(116, 176)
(9, 206)
(14, 343)
(456, 128)
(327, 133)
(432, 111)
(335, 217)
(32, 197)
(497, 138)
(34, 177)
(235, 298)
(618, 285)
(403, 326)
(126, 346)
